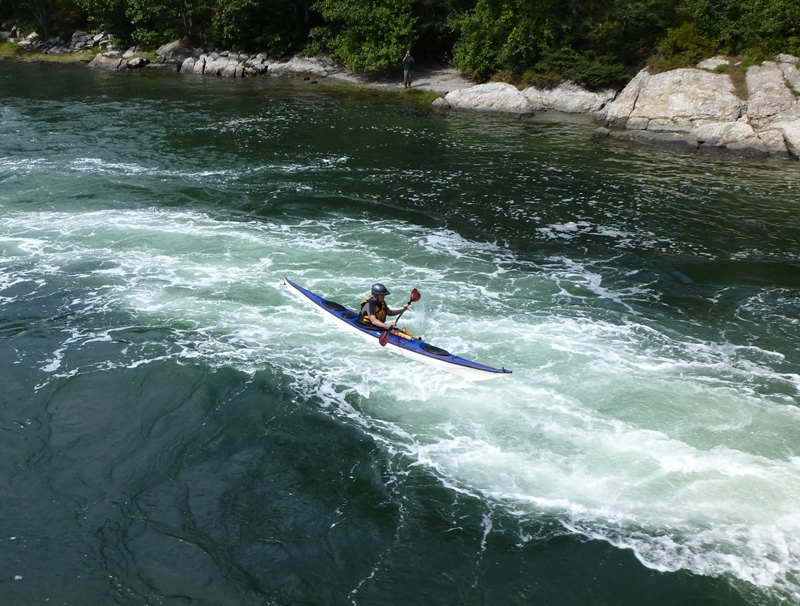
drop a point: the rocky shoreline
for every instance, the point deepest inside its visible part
(696, 110)
(689, 110)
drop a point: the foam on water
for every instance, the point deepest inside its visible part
(613, 426)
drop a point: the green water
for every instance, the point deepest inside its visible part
(176, 428)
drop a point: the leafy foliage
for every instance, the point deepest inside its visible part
(741, 26)
(593, 42)
(275, 26)
(372, 35)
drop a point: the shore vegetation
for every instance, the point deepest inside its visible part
(594, 43)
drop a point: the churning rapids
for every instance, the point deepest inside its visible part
(176, 428)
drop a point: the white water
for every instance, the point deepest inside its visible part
(618, 428)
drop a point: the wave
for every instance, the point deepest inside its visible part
(618, 424)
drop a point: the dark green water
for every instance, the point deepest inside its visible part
(175, 429)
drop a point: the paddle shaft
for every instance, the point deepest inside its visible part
(384, 338)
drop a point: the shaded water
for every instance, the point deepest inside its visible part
(175, 429)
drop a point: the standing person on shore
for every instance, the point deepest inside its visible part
(408, 68)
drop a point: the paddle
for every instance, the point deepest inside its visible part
(384, 338)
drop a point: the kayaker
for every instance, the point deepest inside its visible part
(374, 310)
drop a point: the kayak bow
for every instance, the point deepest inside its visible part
(398, 341)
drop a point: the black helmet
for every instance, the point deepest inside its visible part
(379, 289)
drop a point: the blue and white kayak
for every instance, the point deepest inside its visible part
(413, 348)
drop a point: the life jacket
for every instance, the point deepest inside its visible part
(380, 311)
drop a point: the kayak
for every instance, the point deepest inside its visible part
(399, 341)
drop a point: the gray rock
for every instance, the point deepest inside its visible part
(768, 97)
(703, 108)
(218, 65)
(199, 65)
(791, 134)
(675, 100)
(108, 62)
(792, 75)
(187, 66)
(318, 67)
(259, 63)
(568, 97)
(775, 143)
(174, 53)
(618, 112)
(713, 63)
(496, 96)
(137, 63)
(678, 142)
(738, 137)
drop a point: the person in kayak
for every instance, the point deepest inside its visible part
(375, 310)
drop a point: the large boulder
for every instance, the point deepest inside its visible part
(109, 62)
(712, 63)
(704, 107)
(791, 134)
(138, 63)
(569, 98)
(619, 111)
(213, 64)
(769, 97)
(495, 96)
(174, 53)
(676, 101)
(225, 66)
(792, 75)
(738, 137)
(317, 67)
(775, 142)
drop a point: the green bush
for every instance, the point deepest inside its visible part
(366, 36)
(687, 41)
(278, 27)
(584, 68)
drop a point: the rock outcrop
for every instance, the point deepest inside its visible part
(492, 97)
(692, 110)
(116, 62)
(673, 101)
(566, 97)
(705, 112)
(80, 41)
(769, 96)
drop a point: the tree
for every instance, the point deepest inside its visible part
(41, 11)
(276, 26)
(590, 41)
(740, 26)
(158, 21)
(510, 35)
(109, 16)
(364, 34)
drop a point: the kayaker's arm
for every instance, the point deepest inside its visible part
(378, 324)
(389, 312)
(397, 312)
